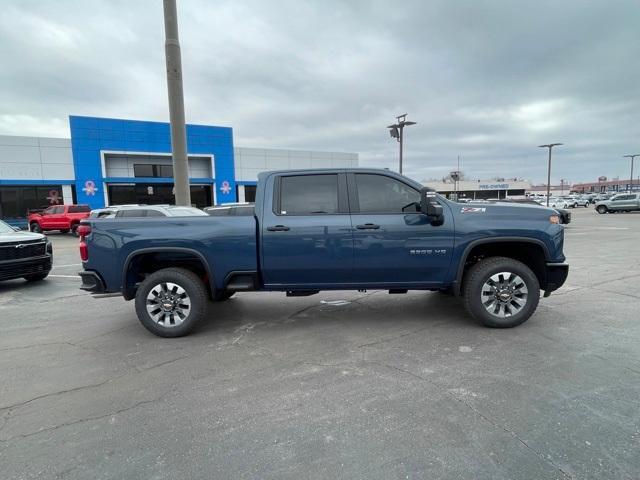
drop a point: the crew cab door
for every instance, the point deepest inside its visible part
(306, 233)
(394, 243)
(52, 217)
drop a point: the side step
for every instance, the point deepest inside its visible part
(301, 293)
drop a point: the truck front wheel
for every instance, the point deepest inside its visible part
(171, 301)
(35, 227)
(601, 209)
(501, 292)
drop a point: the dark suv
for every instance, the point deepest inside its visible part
(25, 255)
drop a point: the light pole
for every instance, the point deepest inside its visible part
(631, 178)
(176, 105)
(550, 147)
(396, 131)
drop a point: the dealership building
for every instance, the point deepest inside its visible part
(481, 189)
(112, 162)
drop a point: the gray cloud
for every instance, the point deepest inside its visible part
(488, 80)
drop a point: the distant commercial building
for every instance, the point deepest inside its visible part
(110, 161)
(481, 189)
(605, 185)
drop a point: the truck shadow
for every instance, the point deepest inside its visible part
(376, 310)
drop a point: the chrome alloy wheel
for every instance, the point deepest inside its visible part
(168, 304)
(504, 294)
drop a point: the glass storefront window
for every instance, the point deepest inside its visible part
(16, 201)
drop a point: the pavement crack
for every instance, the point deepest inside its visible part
(83, 420)
(61, 392)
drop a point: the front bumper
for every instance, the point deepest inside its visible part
(91, 282)
(556, 274)
(11, 269)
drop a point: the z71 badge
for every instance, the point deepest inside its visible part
(473, 210)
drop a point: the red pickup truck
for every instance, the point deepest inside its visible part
(58, 217)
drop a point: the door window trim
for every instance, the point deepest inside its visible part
(343, 201)
(354, 202)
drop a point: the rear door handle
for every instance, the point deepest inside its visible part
(278, 228)
(368, 226)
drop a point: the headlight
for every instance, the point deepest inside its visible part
(554, 219)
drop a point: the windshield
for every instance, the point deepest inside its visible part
(4, 228)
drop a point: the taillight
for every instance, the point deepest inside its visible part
(84, 251)
(83, 231)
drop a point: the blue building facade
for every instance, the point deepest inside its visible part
(98, 143)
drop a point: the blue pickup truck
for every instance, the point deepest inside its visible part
(335, 229)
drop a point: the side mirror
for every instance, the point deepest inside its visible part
(430, 207)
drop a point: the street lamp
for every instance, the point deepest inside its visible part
(396, 132)
(631, 178)
(549, 146)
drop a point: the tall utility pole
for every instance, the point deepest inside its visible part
(631, 177)
(396, 131)
(176, 105)
(550, 147)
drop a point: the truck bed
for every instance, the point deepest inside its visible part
(229, 243)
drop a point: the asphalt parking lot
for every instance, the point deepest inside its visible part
(337, 385)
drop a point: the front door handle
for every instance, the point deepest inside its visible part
(368, 226)
(278, 228)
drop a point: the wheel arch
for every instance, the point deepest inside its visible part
(190, 258)
(506, 245)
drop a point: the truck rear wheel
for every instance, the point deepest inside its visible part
(171, 301)
(601, 209)
(501, 292)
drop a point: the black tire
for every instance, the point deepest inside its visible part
(601, 209)
(36, 278)
(223, 296)
(35, 227)
(575, 205)
(74, 229)
(64, 231)
(480, 274)
(195, 291)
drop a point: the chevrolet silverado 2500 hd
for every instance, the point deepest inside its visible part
(336, 229)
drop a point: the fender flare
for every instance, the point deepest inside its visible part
(457, 283)
(142, 251)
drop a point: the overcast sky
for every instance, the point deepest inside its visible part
(486, 80)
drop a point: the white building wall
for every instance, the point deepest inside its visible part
(249, 162)
(35, 158)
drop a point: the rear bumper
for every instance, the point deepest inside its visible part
(556, 275)
(24, 267)
(91, 282)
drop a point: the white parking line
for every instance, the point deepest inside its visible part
(69, 265)
(65, 276)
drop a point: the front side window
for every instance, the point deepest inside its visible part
(309, 194)
(623, 197)
(57, 210)
(382, 194)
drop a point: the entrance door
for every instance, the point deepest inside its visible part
(393, 241)
(306, 232)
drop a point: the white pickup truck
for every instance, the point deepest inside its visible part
(623, 202)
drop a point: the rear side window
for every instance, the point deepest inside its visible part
(382, 194)
(624, 197)
(154, 213)
(309, 194)
(79, 209)
(132, 213)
